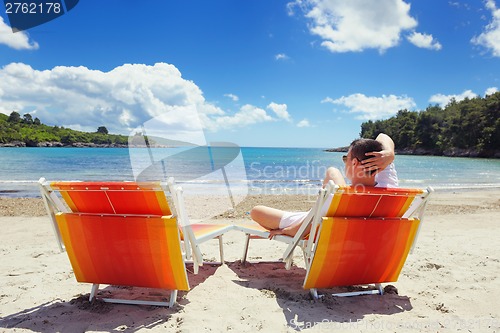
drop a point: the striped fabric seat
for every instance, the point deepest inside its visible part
(357, 251)
(126, 234)
(370, 201)
(362, 236)
(125, 251)
(114, 197)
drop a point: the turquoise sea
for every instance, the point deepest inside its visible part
(258, 170)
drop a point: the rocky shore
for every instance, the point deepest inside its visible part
(454, 152)
(20, 144)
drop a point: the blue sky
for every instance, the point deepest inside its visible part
(260, 73)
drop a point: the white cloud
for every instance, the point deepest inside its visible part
(444, 100)
(303, 123)
(328, 100)
(281, 56)
(247, 115)
(424, 41)
(372, 108)
(490, 38)
(120, 99)
(280, 110)
(233, 97)
(353, 26)
(18, 40)
(490, 91)
(459, 5)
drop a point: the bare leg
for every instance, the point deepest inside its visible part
(267, 217)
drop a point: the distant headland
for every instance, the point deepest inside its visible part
(469, 128)
(17, 131)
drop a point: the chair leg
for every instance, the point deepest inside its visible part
(245, 250)
(93, 292)
(171, 302)
(314, 293)
(187, 249)
(173, 298)
(196, 265)
(378, 291)
(288, 263)
(221, 250)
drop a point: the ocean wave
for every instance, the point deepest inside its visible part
(412, 181)
(18, 181)
(446, 187)
(29, 188)
(251, 181)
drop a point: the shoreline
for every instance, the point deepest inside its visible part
(452, 152)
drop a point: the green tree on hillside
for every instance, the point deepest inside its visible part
(28, 119)
(14, 117)
(32, 132)
(472, 124)
(102, 130)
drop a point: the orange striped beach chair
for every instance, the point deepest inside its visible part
(362, 236)
(126, 234)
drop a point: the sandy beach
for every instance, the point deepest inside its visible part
(450, 283)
